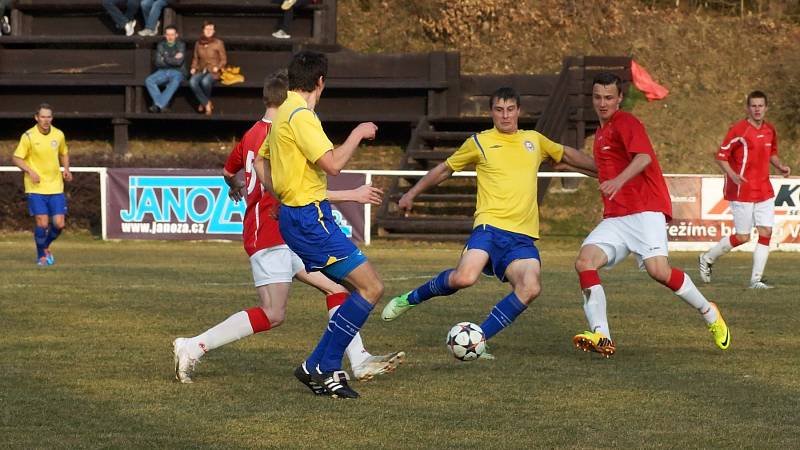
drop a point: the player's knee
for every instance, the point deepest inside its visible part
(584, 263)
(461, 279)
(373, 291)
(660, 274)
(743, 238)
(528, 292)
(276, 317)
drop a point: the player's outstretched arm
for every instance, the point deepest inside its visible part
(776, 161)
(564, 167)
(579, 161)
(363, 194)
(333, 161)
(431, 179)
(23, 166)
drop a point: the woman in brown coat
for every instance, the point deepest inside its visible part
(207, 63)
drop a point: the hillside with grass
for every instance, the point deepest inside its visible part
(709, 58)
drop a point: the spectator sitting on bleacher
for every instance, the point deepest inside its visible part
(5, 25)
(124, 22)
(151, 11)
(170, 62)
(288, 16)
(207, 63)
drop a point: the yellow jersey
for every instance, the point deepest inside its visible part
(41, 153)
(296, 142)
(507, 167)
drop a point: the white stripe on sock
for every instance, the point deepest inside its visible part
(355, 351)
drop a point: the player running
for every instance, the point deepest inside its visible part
(506, 226)
(301, 156)
(38, 154)
(272, 263)
(748, 149)
(636, 207)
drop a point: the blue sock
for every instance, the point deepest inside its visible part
(436, 287)
(319, 350)
(40, 237)
(344, 326)
(52, 235)
(502, 315)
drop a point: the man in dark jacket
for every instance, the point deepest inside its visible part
(170, 65)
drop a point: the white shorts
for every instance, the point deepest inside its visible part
(747, 214)
(275, 265)
(644, 234)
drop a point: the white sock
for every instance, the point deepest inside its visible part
(229, 330)
(722, 247)
(760, 255)
(594, 305)
(691, 295)
(356, 353)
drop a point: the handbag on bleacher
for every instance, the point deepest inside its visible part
(231, 75)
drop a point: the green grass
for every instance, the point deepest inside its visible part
(85, 358)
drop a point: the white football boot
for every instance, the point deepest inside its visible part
(378, 365)
(184, 364)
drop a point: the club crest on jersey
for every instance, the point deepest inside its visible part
(529, 146)
(54, 143)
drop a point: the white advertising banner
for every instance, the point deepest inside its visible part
(701, 216)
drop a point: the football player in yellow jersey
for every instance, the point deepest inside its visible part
(301, 156)
(507, 161)
(38, 155)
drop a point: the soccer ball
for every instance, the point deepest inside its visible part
(466, 341)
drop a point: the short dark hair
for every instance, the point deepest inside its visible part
(170, 27)
(504, 93)
(207, 23)
(43, 106)
(607, 79)
(757, 94)
(305, 69)
(275, 87)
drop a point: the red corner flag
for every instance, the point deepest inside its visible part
(644, 82)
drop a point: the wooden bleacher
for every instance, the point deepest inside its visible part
(246, 18)
(65, 52)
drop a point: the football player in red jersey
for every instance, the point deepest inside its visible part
(636, 208)
(273, 264)
(748, 149)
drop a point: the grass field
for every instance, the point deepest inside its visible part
(86, 361)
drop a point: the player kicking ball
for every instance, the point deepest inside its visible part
(750, 146)
(506, 225)
(636, 207)
(273, 264)
(301, 156)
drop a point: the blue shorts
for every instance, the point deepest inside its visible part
(503, 248)
(47, 204)
(312, 233)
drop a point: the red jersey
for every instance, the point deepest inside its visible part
(615, 145)
(260, 229)
(748, 149)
